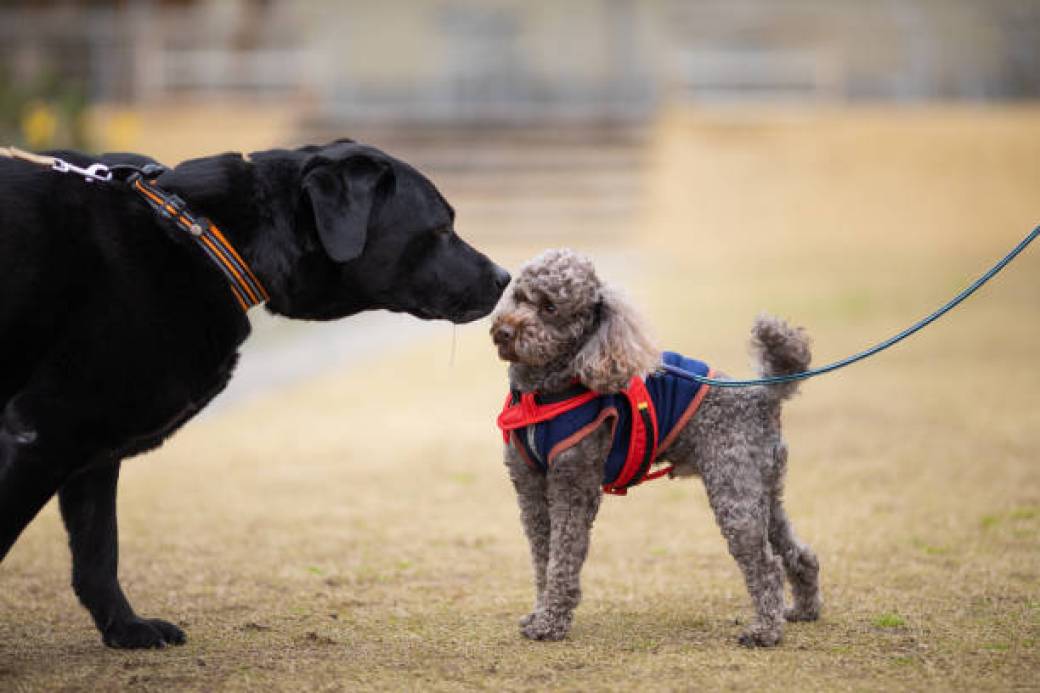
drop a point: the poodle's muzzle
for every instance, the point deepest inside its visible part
(503, 333)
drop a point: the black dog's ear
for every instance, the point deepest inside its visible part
(341, 194)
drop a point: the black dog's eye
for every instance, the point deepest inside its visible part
(442, 232)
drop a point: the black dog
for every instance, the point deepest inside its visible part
(116, 328)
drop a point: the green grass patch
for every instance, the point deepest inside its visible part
(989, 521)
(930, 549)
(1024, 514)
(889, 621)
(641, 645)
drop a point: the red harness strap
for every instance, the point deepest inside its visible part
(524, 409)
(642, 446)
(527, 411)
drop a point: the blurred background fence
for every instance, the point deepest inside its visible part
(536, 117)
(500, 62)
(518, 61)
(464, 87)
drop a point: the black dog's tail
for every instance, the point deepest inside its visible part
(779, 349)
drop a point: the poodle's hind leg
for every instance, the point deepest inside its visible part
(800, 563)
(738, 496)
(530, 488)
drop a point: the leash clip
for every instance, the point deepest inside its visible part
(90, 173)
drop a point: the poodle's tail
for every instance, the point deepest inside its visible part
(779, 349)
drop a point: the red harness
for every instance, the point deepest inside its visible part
(525, 410)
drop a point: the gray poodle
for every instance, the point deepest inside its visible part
(574, 342)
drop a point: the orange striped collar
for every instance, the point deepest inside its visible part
(245, 286)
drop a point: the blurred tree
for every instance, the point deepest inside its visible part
(43, 112)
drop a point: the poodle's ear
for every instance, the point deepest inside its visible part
(618, 350)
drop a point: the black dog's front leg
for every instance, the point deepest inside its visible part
(27, 481)
(88, 507)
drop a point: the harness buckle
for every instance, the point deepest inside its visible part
(97, 172)
(153, 170)
(90, 174)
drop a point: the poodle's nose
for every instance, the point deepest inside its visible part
(502, 334)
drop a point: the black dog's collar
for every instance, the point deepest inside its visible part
(245, 286)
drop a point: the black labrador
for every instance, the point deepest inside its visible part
(115, 329)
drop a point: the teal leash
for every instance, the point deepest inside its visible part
(891, 341)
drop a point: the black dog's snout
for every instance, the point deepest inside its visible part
(502, 334)
(501, 279)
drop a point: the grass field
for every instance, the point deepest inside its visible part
(359, 532)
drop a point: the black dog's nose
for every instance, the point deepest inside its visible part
(501, 279)
(502, 334)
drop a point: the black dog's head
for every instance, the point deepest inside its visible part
(372, 232)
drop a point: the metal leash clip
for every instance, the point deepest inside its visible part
(90, 173)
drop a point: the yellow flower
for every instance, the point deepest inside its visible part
(39, 125)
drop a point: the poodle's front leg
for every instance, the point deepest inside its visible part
(530, 488)
(574, 492)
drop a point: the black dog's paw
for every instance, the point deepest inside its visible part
(142, 634)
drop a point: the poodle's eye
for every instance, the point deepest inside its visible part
(442, 232)
(549, 308)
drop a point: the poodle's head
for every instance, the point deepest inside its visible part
(559, 315)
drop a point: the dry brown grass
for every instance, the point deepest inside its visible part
(349, 535)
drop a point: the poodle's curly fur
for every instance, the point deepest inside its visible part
(560, 322)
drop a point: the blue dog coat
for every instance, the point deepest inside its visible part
(645, 418)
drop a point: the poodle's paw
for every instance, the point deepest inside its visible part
(143, 633)
(525, 620)
(761, 636)
(545, 625)
(804, 610)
